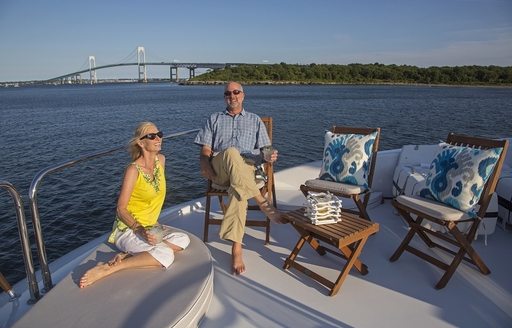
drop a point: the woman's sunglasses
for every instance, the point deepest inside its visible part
(235, 92)
(152, 136)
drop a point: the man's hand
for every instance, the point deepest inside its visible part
(269, 156)
(207, 171)
(273, 157)
(204, 162)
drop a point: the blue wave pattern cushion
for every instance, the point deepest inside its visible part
(458, 174)
(347, 158)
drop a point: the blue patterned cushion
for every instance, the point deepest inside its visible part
(458, 174)
(347, 158)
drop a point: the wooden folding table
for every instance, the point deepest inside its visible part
(348, 236)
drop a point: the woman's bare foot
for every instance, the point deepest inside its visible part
(118, 258)
(237, 259)
(271, 212)
(175, 248)
(95, 274)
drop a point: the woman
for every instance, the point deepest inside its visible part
(138, 208)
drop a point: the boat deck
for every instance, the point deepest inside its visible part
(399, 294)
(391, 295)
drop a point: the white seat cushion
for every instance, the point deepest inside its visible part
(335, 187)
(432, 208)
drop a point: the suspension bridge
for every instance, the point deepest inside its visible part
(76, 77)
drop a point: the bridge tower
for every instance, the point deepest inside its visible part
(191, 71)
(141, 62)
(92, 70)
(173, 73)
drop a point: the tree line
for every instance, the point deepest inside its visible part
(361, 74)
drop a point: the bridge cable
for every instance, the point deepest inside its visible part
(131, 55)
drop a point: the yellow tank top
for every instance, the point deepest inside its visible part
(146, 200)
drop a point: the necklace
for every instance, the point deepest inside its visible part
(155, 181)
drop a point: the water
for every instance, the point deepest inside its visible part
(45, 126)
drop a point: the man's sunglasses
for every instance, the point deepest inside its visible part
(152, 136)
(235, 92)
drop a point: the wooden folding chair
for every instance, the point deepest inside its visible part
(457, 241)
(267, 189)
(359, 194)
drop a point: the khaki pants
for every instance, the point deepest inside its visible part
(233, 171)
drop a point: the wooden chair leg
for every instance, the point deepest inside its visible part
(222, 205)
(465, 248)
(416, 224)
(400, 250)
(465, 241)
(361, 207)
(267, 232)
(451, 269)
(207, 218)
(274, 197)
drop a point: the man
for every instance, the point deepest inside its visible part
(230, 146)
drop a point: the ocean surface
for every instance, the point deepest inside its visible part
(44, 126)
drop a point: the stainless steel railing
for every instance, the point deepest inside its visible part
(36, 221)
(25, 244)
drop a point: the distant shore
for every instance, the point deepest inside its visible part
(221, 82)
(336, 83)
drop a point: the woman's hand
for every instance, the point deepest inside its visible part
(142, 233)
(152, 239)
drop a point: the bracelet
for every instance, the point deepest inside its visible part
(134, 225)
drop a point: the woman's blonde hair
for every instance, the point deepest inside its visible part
(133, 146)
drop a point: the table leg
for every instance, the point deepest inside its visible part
(288, 262)
(360, 266)
(351, 260)
(311, 240)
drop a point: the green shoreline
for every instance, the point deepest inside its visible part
(275, 83)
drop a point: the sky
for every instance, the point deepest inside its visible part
(44, 39)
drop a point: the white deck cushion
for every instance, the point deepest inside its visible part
(433, 208)
(458, 174)
(347, 158)
(335, 187)
(177, 297)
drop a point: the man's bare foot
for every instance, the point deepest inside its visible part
(271, 212)
(95, 274)
(238, 261)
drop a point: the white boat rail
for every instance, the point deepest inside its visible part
(25, 246)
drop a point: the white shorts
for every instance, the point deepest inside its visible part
(130, 243)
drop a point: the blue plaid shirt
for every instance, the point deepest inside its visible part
(244, 131)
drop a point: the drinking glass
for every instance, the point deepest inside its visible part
(267, 152)
(158, 232)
